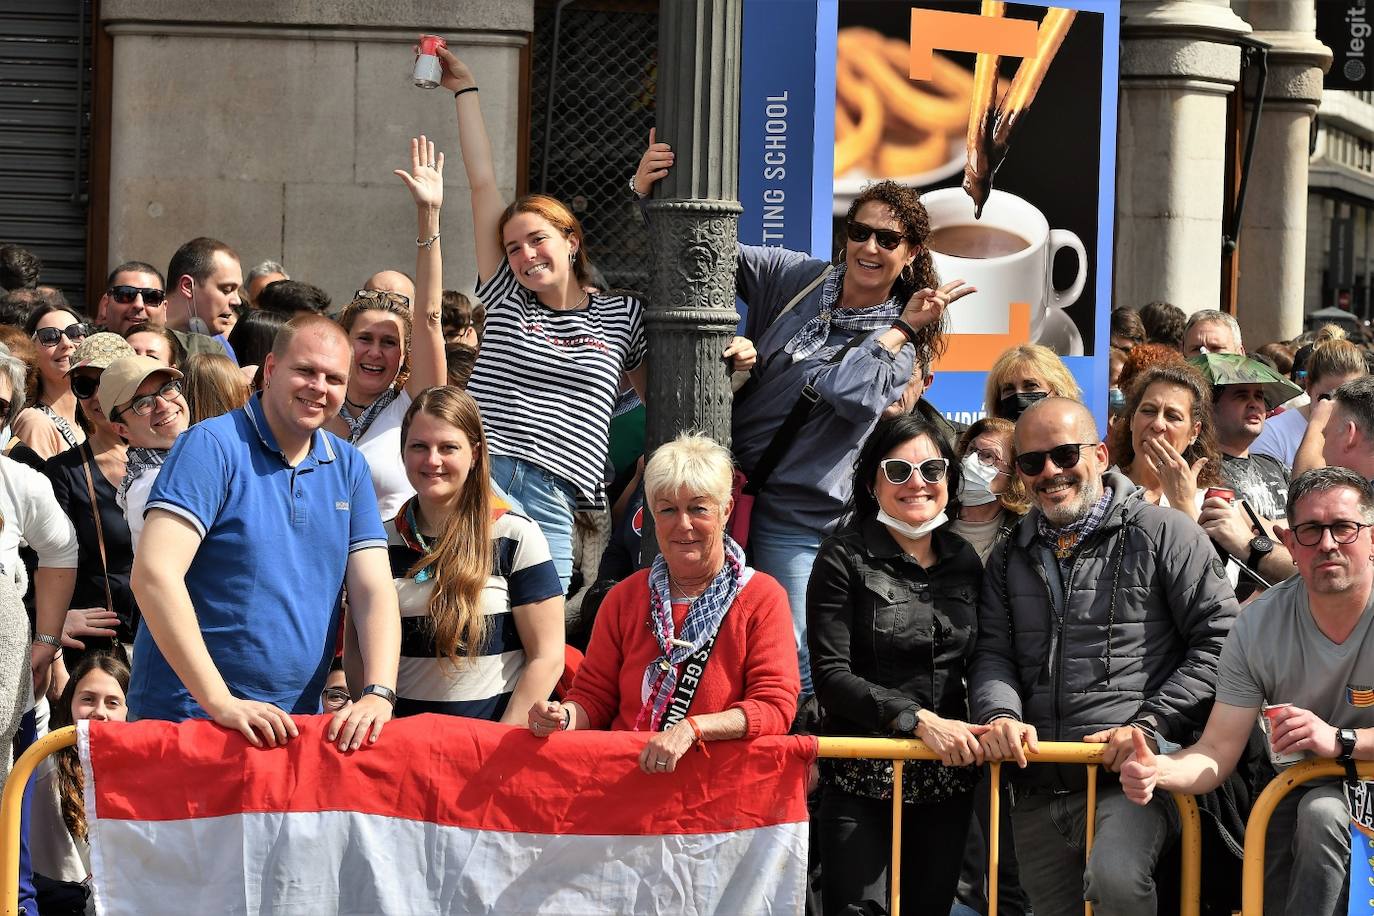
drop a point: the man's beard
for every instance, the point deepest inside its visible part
(1089, 492)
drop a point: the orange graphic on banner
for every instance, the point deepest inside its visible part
(976, 352)
(936, 29)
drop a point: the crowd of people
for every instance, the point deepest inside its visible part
(202, 470)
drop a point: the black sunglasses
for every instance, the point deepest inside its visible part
(898, 470)
(1063, 456)
(859, 233)
(84, 387)
(1310, 534)
(50, 337)
(125, 295)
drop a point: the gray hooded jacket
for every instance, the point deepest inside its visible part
(1132, 635)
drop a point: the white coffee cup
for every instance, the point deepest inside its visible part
(1023, 276)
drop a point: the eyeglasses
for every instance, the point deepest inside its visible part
(84, 387)
(859, 233)
(382, 295)
(1063, 456)
(125, 295)
(334, 697)
(898, 470)
(1309, 534)
(50, 337)
(989, 458)
(144, 405)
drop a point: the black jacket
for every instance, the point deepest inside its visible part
(884, 633)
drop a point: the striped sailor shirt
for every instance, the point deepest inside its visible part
(546, 380)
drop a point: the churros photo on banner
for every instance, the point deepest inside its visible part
(994, 112)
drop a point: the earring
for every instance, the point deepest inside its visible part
(572, 256)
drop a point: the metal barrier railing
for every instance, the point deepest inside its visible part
(899, 750)
(1252, 875)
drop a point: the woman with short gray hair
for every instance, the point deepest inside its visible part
(707, 610)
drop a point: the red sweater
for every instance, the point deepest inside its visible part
(753, 667)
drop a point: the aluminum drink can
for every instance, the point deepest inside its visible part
(429, 73)
(1225, 493)
(1267, 723)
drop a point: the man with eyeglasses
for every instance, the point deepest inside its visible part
(143, 400)
(1102, 618)
(1302, 655)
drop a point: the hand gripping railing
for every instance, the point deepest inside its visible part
(899, 750)
(894, 749)
(1252, 877)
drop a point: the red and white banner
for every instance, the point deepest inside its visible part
(443, 815)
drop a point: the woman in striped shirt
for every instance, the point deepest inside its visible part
(554, 351)
(481, 606)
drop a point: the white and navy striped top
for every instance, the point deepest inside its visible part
(480, 687)
(546, 380)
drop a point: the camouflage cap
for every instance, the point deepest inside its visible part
(99, 350)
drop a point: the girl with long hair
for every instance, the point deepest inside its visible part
(481, 604)
(59, 842)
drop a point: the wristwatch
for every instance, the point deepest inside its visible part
(1346, 736)
(1260, 547)
(906, 721)
(377, 690)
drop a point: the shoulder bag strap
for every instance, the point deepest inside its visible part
(99, 528)
(744, 383)
(791, 427)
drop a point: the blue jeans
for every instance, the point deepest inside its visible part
(547, 499)
(787, 552)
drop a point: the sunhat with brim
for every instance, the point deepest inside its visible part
(1239, 369)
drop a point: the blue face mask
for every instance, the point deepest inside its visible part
(1116, 401)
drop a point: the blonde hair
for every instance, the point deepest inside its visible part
(214, 386)
(1042, 362)
(461, 560)
(691, 461)
(1333, 354)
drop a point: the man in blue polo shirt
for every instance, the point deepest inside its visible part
(255, 524)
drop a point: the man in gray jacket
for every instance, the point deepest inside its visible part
(1101, 614)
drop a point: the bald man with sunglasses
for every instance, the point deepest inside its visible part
(1101, 615)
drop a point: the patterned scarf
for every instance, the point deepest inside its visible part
(702, 622)
(139, 460)
(408, 528)
(813, 334)
(1065, 540)
(359, 425)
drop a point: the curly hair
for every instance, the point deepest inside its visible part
(1147, 356)
(907, 209)
(1121, 446)
(1164, 324)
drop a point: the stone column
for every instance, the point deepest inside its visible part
(1177, 69)
(1273, 236)
(693, 221)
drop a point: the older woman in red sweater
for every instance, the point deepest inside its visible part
(698, 647)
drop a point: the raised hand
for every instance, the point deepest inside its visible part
(426, 176)
(653, 165)
(926, 306)
(456, 73)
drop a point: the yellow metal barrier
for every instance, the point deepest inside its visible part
(897, 750)
(12, 801)
(1252, 877)
(900, 749)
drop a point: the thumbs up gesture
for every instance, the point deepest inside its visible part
(1140, 772)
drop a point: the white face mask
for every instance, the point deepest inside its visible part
(909, 530)
(975, 489)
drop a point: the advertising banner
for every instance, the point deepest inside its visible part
(904, 91)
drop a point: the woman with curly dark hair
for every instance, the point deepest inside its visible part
(1166, 442)
(836, 345)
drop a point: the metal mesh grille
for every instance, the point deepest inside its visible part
(45, 81)
(602, 92)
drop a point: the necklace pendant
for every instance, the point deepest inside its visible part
(665, 665)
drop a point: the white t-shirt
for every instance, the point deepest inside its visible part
(136, 500)
(381, 446)
(1281, 437)
(32, 516)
